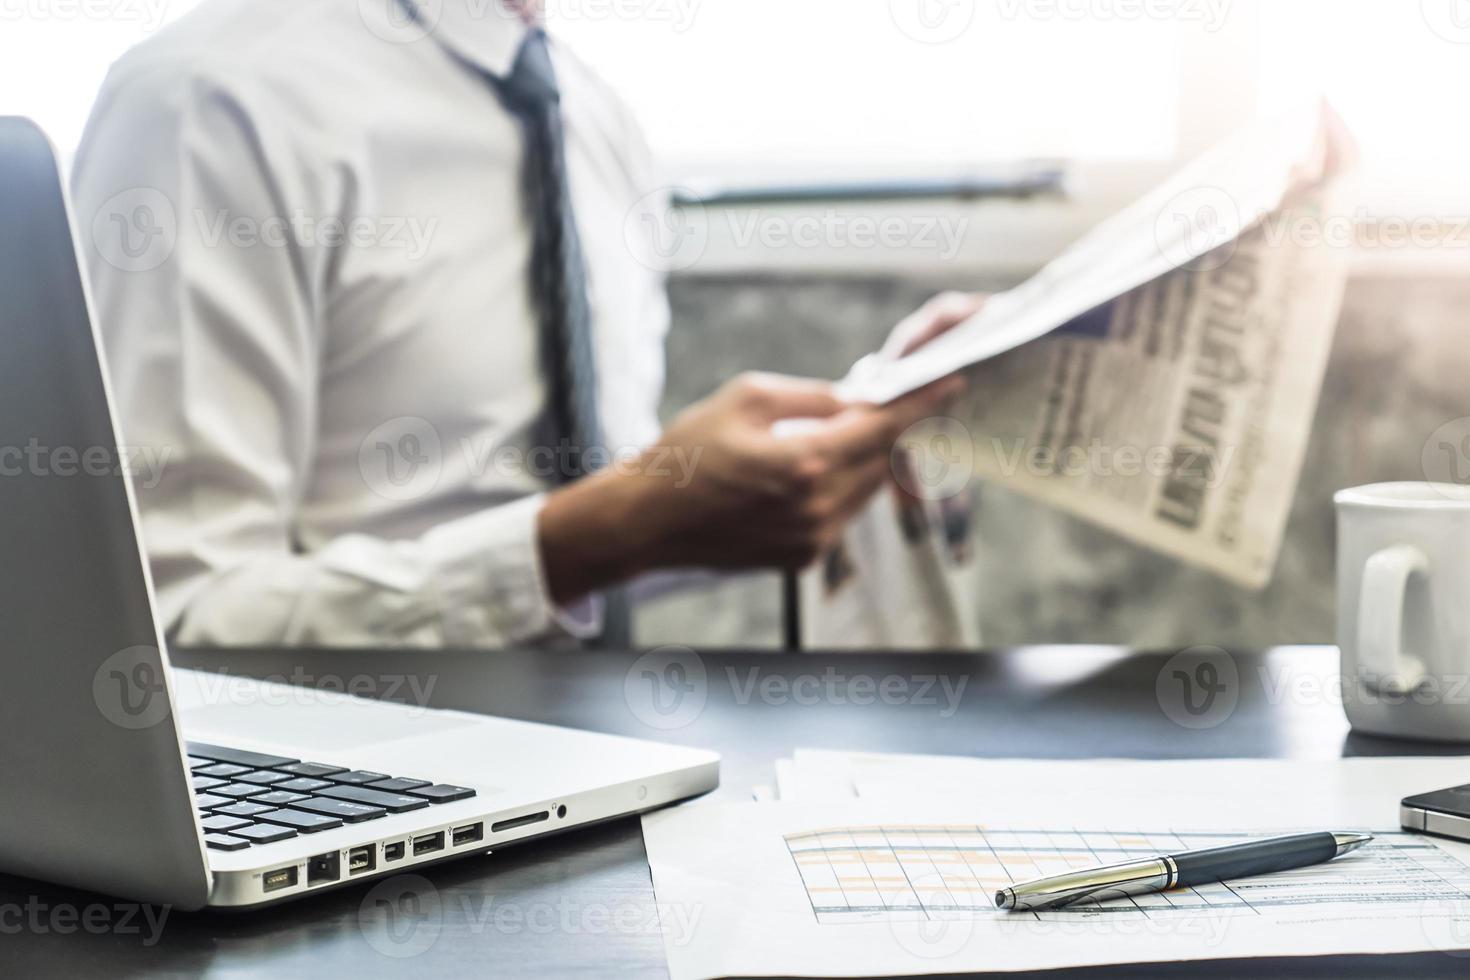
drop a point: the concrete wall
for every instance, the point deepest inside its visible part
(1400, 369)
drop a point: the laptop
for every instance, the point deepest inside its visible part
(199, 789)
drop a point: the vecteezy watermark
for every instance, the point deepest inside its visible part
(139, 229)
(672, 237)
(835, 687)
(947, 924)
(667, 688)
(136, 230)
(667, 230)
(1198, 688)
(149, 15)
(1445, 458)
(143, 464)
(304, 688)
(41, 918)
(404, 916)
(940, 236)
(935, 459)
(1450, 19)
(404, 459)
(1207, 926)
(1200, 465)
(1211, 14)
(408, 21)
(1446, 924)
(932, 21)
(1293, 685)
(128, 688)
(413, 236)
(1198, 227)
(401, 917)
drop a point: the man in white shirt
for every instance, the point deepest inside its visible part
(318, 286)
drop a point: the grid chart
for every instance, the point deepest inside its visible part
(941, 872)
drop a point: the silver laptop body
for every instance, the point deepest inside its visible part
(102, 746)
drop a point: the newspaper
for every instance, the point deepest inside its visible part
(1159, 379)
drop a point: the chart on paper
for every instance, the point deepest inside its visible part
(902, 873)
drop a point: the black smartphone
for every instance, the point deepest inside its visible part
(1443, 813)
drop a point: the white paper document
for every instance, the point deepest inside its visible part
(901, 887)
(1160, 378)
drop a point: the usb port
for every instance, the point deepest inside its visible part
(361, 859)
(274, 881)
(428, 844)
(468, 834)
(393, 852)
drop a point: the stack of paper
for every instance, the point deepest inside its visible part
(886, 865)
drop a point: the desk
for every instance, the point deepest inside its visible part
(552, 909)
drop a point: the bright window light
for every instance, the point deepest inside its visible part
(55, 53)
(1398, 71)
(841, 88)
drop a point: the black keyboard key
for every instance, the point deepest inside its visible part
(239, 757)
(392, 802)
(307, 823)
(313, 769)
(197, 763)
(222, 770)
(255, 760)
(278, 797)
(245, 808)
(202, 783)
(216, 824)
(357, 776)
(398, 785)
(239, 790)
(206, 801)
(264, 833)
(351, 812)
(264, 777)
(302, 785)
(442, 793)
(222, 842)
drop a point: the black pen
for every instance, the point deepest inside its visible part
(1182, 870)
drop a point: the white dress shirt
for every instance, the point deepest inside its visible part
(311, 264)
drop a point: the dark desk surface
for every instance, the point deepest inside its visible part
(582, 904)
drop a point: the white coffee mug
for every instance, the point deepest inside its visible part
(1403, 609)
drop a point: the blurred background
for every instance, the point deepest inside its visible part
(995, 132)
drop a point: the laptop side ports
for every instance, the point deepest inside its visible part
(274, 881)
(323, 868)
(361, 859)
(468, 834)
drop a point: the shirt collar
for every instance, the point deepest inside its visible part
(482, 32)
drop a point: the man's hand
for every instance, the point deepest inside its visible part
(750, 498)
(938, 316)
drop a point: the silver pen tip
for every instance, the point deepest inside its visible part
(1005, 899)
(1350, 842)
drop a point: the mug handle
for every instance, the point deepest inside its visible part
(1382, 663)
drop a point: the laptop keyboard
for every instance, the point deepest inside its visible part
(249, 798)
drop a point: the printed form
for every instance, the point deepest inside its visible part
(884, 886)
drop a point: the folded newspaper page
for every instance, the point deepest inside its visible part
(1159, 379)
